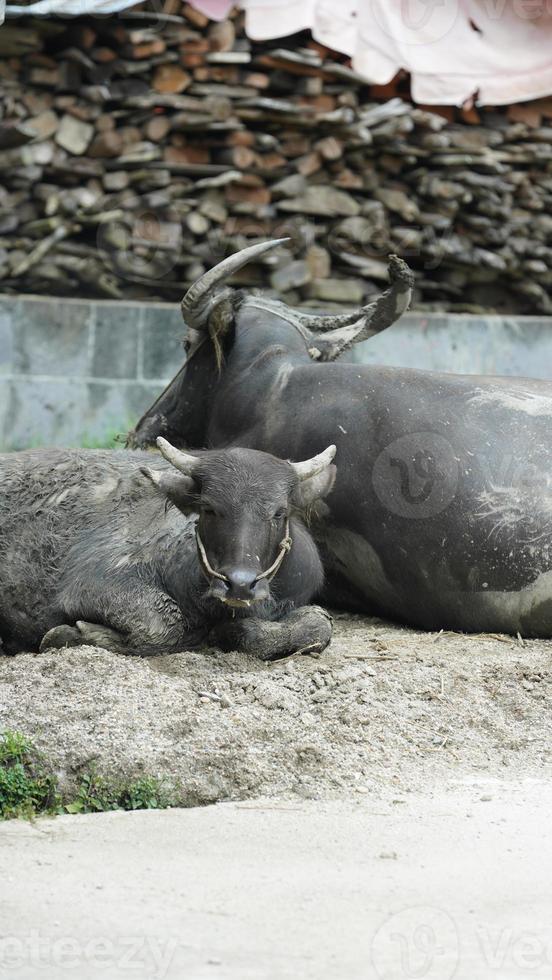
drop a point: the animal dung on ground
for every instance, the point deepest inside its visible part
(139, 149)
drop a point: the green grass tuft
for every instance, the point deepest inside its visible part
(28, 789)
(96, 794)
(109, 439)
(112, 439)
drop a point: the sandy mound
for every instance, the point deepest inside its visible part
(382, 707)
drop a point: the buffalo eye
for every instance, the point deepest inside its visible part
(208, 512)
(280, 514)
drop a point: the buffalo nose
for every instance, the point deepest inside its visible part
(241, 584)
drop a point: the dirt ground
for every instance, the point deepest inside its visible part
(383, 709)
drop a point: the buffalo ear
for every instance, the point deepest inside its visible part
(181, 490)
(309, 491)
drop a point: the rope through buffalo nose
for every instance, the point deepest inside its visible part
(284, 547)
(210, 572)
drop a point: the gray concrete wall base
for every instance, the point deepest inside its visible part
(79, 372)
(465, 344)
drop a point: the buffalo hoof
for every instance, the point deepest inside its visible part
(83, 634)
(97, 635)
(305, 630)
(59, 637)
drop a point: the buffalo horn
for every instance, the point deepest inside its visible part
(310, 467)
(378, 315)
(182, 461)
(197, 303)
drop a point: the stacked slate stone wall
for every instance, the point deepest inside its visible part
(138, 149)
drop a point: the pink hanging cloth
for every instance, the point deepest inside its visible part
(215, 9)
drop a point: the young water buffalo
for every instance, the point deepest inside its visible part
(98, 547)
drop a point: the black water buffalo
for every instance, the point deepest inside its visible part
(441, 515)
(98, 547)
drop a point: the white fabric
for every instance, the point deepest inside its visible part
(216, 9)
(69, 8)
(507, 59)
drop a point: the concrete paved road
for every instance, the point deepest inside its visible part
(458, 884)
